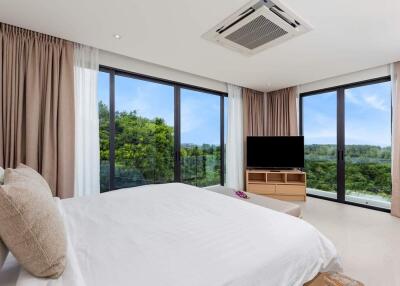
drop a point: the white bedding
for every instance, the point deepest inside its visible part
(178, 235)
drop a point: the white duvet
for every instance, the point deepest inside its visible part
(178, 235)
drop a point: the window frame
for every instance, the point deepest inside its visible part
(177, 86)
(340, 135)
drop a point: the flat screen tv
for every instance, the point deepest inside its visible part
(274, 152)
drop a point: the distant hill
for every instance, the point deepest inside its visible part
(367, 168)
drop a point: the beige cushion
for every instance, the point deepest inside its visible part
(27, 174)
(30, 223)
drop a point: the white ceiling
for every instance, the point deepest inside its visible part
(348, 36)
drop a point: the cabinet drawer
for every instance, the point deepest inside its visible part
(261, 189)
(290, 190)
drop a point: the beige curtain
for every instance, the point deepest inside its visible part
(37, 105)
(281, 113)
(254, 117)
(271, 114)
(396, 139)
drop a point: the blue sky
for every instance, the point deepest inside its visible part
(200, 121)
(367, 111)
(103, 88)
(367, 116)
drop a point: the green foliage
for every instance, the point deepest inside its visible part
(321, 175)
(104, 131)
(367, 168)
(200, 165)
(145, 146)
(144, 153)
(370, 178)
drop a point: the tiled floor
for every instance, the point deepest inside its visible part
(368, 241)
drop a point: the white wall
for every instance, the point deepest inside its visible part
(371, 73)
(145, 68)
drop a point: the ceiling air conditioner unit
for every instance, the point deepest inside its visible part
(259, 25)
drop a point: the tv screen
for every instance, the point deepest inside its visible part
(275, 152)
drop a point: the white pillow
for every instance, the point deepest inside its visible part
(1, 176)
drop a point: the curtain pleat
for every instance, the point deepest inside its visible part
(254, 118)
(234, 142)
(87, 150)
(254, 112)
(281, 113)
(37, 105)
(395, 209)
(271, 114)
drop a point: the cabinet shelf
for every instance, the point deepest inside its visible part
(295, 178)
(257, 178)
(284, 184)
(276, 178)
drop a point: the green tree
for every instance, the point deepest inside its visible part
(144, 153)
(367, 168)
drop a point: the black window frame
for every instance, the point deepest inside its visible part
(340, 132)
(177, 86)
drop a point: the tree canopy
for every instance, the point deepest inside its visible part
(144, 153)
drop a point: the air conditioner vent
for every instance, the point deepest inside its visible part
(259, 25)
(256, 33)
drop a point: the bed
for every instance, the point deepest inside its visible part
(180, 235)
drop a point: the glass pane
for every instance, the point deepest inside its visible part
(103, 89)
(200, 138)
(368, 144)
(144, 132)
(319, 130)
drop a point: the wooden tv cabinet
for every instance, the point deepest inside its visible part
(289, 185)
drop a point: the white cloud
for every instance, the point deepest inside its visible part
(376, 102)
(372, 100)
(146, 102)
(367, 123)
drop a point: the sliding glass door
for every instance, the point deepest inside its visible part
(154, 131)
(144, 132)
(200, 138)
(320, 143)
(368, 144)
(347, 133)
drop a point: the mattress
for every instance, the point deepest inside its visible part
(179, 235)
